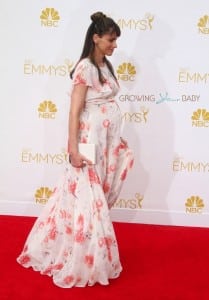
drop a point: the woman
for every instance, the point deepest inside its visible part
(73, 239)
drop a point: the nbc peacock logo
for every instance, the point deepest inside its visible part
(200, 118)
(47, 110)
(203, 24)
(49, 17)
(42, 195)
(126, 71)
(194, 204)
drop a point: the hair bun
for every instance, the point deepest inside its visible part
(97, 16)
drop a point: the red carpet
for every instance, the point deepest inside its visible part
(160, 263)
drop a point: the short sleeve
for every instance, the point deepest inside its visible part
(83, 73)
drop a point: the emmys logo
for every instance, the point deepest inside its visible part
(126, 72)
(179, 165)
(194, 204)
(133, 203)
(42, 195)
(187, 77)
(139, 24)
(51, 70)
(137, 117)
(200, 118)
(49, 17)
(47, 110)
(203, 25)
(27, 156)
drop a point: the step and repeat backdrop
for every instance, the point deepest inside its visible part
(162, 66)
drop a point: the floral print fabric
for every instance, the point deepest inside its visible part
(73, 239)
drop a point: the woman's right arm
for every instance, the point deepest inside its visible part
(78, 96)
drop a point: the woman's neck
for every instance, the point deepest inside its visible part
(99, 59)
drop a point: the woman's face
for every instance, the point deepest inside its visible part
(105, 44)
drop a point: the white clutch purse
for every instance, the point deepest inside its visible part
(88, 150)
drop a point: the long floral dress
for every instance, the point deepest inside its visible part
(73, 239)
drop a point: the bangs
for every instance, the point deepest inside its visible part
(114, 29)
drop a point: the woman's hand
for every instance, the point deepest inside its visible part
(78, 160)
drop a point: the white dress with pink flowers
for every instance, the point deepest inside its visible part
(73, 239)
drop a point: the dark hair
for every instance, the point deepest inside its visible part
(101, 24)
